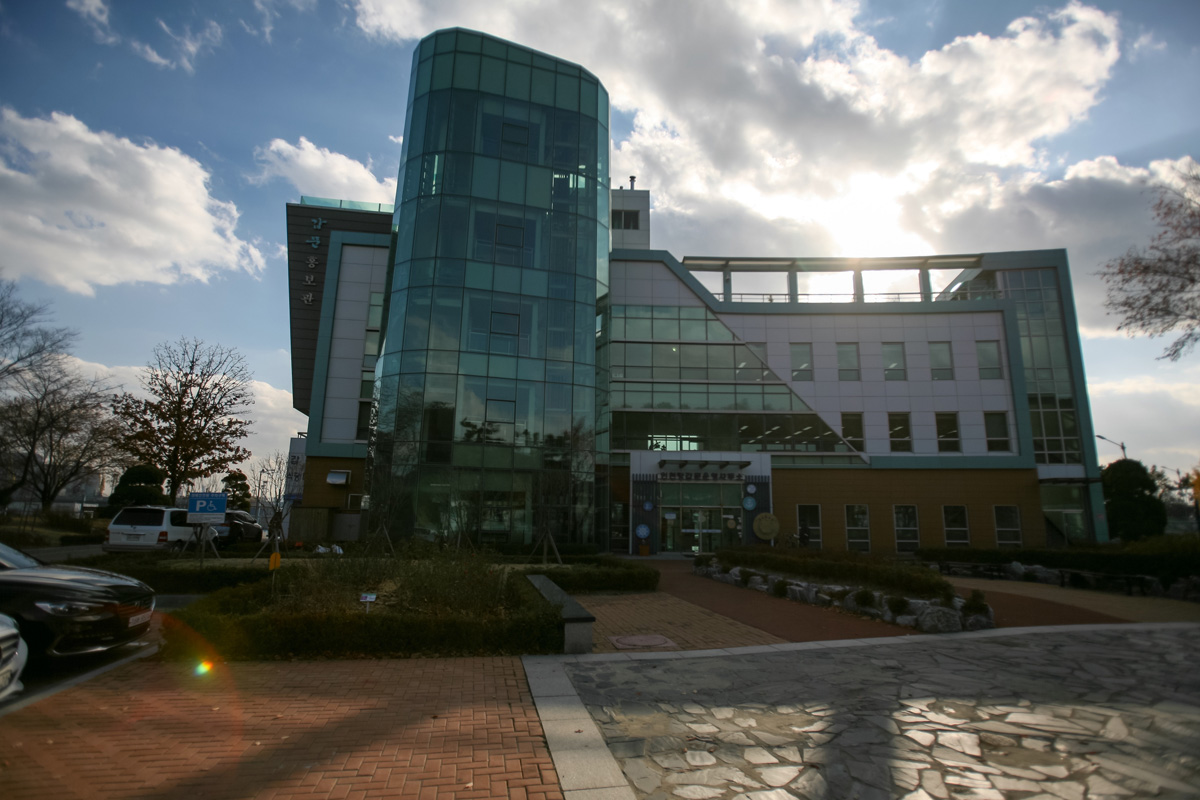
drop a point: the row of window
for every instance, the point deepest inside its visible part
(955, 528)
(895, 364)
(900, 438)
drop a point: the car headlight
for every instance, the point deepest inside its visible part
(75, 609)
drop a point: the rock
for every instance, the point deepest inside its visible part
(906, 620)
(778, 776)
(936, 619)
(644, 777)
(700, 758)
(979, 622)
(757, 755)
(697, 792)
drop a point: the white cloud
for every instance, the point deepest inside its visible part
(1151, 415)
(150, 54)
(189, 46)
(268, 10)
(82, 208)
(1145, 44)
(95, 14)
(318, 172)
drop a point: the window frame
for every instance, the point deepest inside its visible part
(965, 541)
(996, 444)
(1012, 542)
(848, 373)
(900, 444)
(941, 373)
(899, 373)
(850, 543)
(990, 372)
(944, 441)
(851, 440)
(801, 373)
(907, 545)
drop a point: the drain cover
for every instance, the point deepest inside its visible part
(634, 641)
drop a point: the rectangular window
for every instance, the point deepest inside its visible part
(995, 427)
(1008, 526)
(808, 527)
(900, 432)
(852, 430)
(625, 220)
(940, 361)
(988, 354)
(367, 387)
(847, 355)
(858, 528)
(893, 362)
(907, 537)
(947, 432)
(362, 430)
(802, 362)
(954, 522)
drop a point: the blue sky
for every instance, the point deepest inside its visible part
(147, 150)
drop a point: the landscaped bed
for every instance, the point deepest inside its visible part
(452, 605)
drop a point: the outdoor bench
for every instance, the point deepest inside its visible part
(577, 620)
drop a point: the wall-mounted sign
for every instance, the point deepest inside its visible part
(643, 531)
(669, 515)
(749, 503)
(648, 506)
(751, 488)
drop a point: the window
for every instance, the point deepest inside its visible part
(367, 388)
(905, 519)
(847, 355)
(893, 362)
(1008, 526)
(940, 361)
(625, 220)
(362, 431)
(900, 432)
(954, 522)
(808, 527)
(995, 427)
(947, 432)
(852, 430)
(988, 354)
(858, 528)
(802, 362)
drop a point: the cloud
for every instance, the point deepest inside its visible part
(95, 14)
(82, 208)
(1146, 412)
(189, 46)
(268, 11)
(1145, 44)
(318, 172)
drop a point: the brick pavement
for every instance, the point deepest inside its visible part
(418, 728)
(688, 625)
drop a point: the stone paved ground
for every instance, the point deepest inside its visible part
(419, 728)
(1056, 715)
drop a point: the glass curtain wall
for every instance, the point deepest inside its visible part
(487, 418)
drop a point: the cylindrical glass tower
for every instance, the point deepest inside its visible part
(487, 416)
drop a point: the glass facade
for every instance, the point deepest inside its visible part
(488, 416)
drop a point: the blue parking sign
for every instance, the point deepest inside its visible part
(206, 507)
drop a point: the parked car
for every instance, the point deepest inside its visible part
(239, 526)
(140, 528)
(66, 610)
(13, 655)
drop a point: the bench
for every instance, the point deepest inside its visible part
(577, 620)
(1098, 580)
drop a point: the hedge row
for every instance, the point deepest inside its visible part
(1167, 567)
(914, 581)
(156, 571)
(238, 624)
(599, 574)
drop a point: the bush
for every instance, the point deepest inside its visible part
(600, 574)
(58, 521)
(165, 574)
(490, 616)
(745, 575)
(702, 560)
(976, 603)
(68, 539)
(864, 598)
(896, 604)
(779, 588)
(912, 580)
(1166, 558)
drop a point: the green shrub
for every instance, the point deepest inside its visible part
(896, 604)
(1166, 558)
(702, 560)
(779, 588)
(910, 579)
(976, 603)
(839, 594)
(864, 598)
(600, 574)
(23, 539)
(58, 521)
(69, 539)
(745, 575)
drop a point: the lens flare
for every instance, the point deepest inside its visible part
(204, 667)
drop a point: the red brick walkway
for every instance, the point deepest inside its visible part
(418, 728)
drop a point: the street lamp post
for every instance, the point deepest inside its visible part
(1110, 441)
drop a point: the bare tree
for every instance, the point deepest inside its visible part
(1156, 290)
(191, 420)
(269, 479)
(25, 342)
(62, 420)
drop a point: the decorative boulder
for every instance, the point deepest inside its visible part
(936, 619)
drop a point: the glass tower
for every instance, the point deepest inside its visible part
(487, 411)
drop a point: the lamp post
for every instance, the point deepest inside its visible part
(258, 516)
(1110, 441)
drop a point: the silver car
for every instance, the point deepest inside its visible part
(13, 655)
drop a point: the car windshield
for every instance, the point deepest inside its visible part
(11, 558)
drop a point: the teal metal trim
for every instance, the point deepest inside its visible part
(316, 418)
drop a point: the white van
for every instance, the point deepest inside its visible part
(139, 528)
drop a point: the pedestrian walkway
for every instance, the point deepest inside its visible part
(420, 728)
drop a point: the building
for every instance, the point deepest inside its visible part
(540, 369)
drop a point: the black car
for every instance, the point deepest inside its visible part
(71, 610)
(239, 526)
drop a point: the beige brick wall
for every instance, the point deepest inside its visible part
(318, 493)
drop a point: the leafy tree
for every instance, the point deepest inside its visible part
(191, 419)
(1131, 501)
(238, 489)
(140, 485)
(1156, 290)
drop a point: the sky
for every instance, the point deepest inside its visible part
(147, 151)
